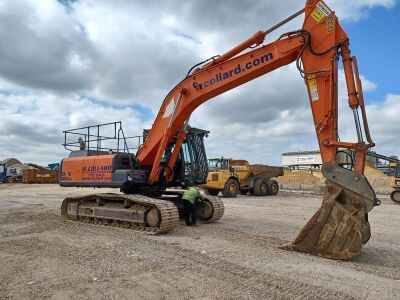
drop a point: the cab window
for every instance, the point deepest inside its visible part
(217, 164)
(397, 171)
(188, 159)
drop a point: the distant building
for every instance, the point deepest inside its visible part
(312, 159)
(301, 159)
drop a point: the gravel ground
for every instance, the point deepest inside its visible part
(43, 256)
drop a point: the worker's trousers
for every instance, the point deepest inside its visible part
(189, 212)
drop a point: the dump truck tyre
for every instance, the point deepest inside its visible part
(273, 187)
(213, 192)
(231, 189)
(260, 187)
(395, 196)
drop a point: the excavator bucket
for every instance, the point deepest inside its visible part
(340, 227)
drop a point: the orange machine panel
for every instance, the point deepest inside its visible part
(88, 169)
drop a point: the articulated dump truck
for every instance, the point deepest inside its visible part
(231, 176)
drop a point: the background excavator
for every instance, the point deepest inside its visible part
(172, 153)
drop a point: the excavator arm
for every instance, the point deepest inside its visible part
(340, 226)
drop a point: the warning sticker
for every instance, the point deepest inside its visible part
(170, 108)
(320, 12)
(312, 84)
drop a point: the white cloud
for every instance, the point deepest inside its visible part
(355, 10)
(33, 123)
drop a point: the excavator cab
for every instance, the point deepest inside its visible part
(191, 166)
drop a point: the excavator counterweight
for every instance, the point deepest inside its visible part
(172, 149)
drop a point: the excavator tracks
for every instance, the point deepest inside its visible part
(134, 212)
(211, 209)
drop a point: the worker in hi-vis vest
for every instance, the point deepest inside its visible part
(190, 196)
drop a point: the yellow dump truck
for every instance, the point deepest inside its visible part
(231, 176)
(395, 195)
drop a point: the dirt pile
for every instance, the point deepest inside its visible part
(314, 181)
(296, 176)
(379, 180)
(373, 173)
(301, 180)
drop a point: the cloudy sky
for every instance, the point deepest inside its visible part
(66, 64)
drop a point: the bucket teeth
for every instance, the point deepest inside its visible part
(337, 230)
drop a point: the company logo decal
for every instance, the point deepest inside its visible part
(233, 72)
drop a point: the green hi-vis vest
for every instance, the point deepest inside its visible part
(192, 194)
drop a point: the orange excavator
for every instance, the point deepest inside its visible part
(173, 155)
